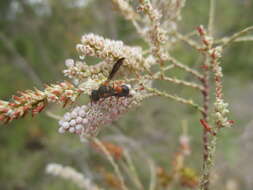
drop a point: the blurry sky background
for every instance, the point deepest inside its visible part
(36, 36)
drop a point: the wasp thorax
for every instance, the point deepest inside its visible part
(124, 91)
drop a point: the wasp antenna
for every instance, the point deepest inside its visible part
(115, 68)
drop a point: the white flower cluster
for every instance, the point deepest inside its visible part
(215, 52)
(149, 61)
(74, 121)
(87, 121)
(79, 70)
(221, 112)
(75, 69)
(146, 6)
(110, 51)
(70, 173)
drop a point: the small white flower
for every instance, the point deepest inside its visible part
(65, 125)
(74, 114)
(79, 127)
(67, 116)
(78, 120)
(72, 129)
(69, 63)
(61, 130)
(82, 113)
(72, 122)
(84, 121)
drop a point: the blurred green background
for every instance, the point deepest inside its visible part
(36, 36)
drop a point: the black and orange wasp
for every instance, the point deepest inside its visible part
(106, 90)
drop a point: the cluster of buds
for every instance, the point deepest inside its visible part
(36, 100)
(76, 69)
(79, 70)
(87, 121)
(110, 50)
(74, 121)
(70, 173)
(214, 53)
(205, 39)
(220, 107)
(221, 112)
(146, 6)
(156, 34)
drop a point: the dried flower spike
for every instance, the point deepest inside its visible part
(36, 100)
(70, 173)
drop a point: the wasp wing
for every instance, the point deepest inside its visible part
(115, 68)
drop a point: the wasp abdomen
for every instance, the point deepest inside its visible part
(105, 91)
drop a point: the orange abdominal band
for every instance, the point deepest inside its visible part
(118, 89)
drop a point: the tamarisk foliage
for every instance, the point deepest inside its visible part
(142, 66)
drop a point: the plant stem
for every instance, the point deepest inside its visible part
(175, 97)
(205, 181)
(227, 41)
(204, 185)
(211, 17)
(185, 67)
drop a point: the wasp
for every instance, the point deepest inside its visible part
(105, 90)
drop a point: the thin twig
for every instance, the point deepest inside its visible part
(171, 66)
(211, 17)
(186, 68)
(187, 40)
(190, 34)
(132, 171)
(244, 39)
(176, 98)
(205, 177)
(152, 184)
(53, 116)
(227, 40)
(178, 81)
